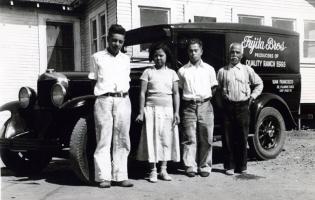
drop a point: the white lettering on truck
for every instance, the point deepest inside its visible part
(256, 43)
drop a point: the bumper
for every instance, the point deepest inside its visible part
(29, 144)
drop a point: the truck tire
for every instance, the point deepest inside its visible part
(24, 162)
(269, 136)
(82, 147)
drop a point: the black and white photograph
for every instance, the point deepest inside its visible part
(157, 100)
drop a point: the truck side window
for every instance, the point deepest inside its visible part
(213, 48)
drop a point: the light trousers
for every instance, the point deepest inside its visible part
(198, 136)
(112, 124)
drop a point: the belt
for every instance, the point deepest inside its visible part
(238, 103)
(117, 94)
(197, 100)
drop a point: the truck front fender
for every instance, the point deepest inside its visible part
(12, 125)
(275, 101)
(79, 102)
(12, 106)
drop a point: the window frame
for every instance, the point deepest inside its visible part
(308, 59)
(136, 49)
(284, 19)
(96, 15)
(262, 18)
(57, 47)
(168, 11)
(43, 19)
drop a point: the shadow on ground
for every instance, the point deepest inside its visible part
(59, 170)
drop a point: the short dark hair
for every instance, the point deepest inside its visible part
(116, 29)
(194, 41)
(164, 47)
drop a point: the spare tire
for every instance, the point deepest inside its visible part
(82, 147)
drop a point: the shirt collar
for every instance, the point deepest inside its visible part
(200, 65)
(107, 53)
(238, 65)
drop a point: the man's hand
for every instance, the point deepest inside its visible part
(251, 101)
(139, 118)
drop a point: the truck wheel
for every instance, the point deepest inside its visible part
(26, 162)
(82, 147)
(270, 134)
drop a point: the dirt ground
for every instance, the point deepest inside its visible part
(289, 176)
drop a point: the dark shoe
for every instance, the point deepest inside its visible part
(124, 183)
(104, 184)
(191, 174)
(244, 171)
(204, 174)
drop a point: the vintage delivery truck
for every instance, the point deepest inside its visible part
(56, 118)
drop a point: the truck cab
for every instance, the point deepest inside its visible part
(56, 118)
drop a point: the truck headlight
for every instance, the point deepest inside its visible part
(27, 97)
(58, 94)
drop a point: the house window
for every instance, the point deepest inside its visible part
(93, 36)
(286, 24)
(102, 31)
(60, 46)
(309, 39)
(98, 32)
(152, 16)
(254, 20)
(201, 19)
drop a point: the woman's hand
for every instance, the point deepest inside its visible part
(139, 118)
(176, 119)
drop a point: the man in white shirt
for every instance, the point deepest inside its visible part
(198, 81)
(112, 111)
(235, 82)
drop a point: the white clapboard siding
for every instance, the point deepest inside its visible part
(124, 13)
(111, 12)
(308, 83)
(19, 52)
(295, 9)
(92, 6)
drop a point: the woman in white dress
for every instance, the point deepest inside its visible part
(159, 112)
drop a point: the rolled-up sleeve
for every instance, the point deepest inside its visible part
(213, 78)
(180, 79)
(93, 69)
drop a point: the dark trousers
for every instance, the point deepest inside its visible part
(234, 142)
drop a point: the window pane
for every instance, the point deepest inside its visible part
(94, 46)
(61, 59)
(102, 25)
(309, 30)
(250, 20)
(102, 32)
(60, 46)
(94, 29)
(201, 19)
(283, 24)
(94, 36)
(309, 49)
(153, 16)
(103, 43)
